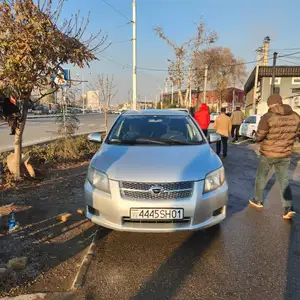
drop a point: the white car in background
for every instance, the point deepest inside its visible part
(181, 109)
(249, 127)
(213, 117)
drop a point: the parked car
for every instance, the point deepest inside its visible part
(155, 172)
(249, 126)
(41, 110)
(213, 117)
(53, 111)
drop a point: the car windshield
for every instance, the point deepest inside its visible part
(155, 130)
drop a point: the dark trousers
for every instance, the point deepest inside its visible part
(235, 132)
(281, 166)
(205, 131)
(224, 140)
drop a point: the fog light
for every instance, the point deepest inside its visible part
(93, 211)
(218, 211)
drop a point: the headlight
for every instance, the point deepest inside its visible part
(214, 180)
(98, 179)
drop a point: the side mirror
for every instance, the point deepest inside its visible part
(214, 137)
(95, 137)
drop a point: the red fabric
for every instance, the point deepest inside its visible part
(202, 116)
(13, 101)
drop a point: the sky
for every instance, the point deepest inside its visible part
(241, 26)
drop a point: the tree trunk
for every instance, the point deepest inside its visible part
(187, 92)
(19, 137)
(180, 96)
(105, 121)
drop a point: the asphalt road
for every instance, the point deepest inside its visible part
(41, 129)
(254, 255)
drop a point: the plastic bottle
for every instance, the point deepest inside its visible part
(11, 221)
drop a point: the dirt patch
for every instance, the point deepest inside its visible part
(54, 248)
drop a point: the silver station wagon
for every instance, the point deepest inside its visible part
(155, 172)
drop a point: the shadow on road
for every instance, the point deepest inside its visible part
(292, 290)
(172, 273)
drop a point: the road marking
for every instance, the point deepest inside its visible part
(241, 142)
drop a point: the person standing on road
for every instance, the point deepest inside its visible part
(223, 127)
(202, 117)
(237, 119)
(192, 111)
(277, 131)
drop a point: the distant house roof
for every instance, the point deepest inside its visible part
(266, 71)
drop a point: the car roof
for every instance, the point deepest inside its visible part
(156, 112)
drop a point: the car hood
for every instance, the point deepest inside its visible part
(156, 163)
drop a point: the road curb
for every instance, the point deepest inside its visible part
(79, 279)
(38, 296)
(42, 296)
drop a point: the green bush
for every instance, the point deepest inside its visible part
(65, 150)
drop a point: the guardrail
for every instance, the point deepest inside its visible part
(57, 115)
(47, 140)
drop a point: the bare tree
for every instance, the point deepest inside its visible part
(224, 70)
(106, 87)
(34, 47)
(178, 67)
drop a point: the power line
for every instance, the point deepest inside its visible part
(116, 10)
(287, 49)
(198, 69)
(290, 62)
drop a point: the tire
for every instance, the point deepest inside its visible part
(253, 138)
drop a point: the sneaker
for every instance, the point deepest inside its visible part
(256, 203)
(288, 213)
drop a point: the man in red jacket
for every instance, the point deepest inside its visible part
(202, 117)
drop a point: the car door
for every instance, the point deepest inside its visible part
(251, 126)
(244, 127)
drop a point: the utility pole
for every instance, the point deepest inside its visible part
(134, 54)
(145, 102)
(258, 63)
(205, 84)
(273, 72)
(156, 101)
(266, 46)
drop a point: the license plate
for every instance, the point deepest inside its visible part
(156, 213)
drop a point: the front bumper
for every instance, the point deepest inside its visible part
(113, 212)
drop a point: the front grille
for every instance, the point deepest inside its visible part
(164, 191)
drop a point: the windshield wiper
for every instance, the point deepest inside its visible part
(122, 142)
(165, 141)
(152, 141)
(180, 142)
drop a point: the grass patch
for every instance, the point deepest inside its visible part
(53, 154)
